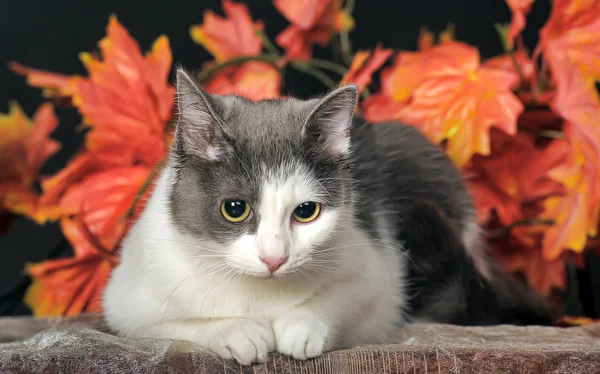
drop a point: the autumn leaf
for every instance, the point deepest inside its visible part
(518, 63)
(453, 97)
(312, 22)
(364, 65)
(304, 13)
(102, 200)
(126, 94)
(53, 85)
(572, 37)
(519, 9)
(568, 321)
(427, 39)
(516, 173)
(381, 106)
(253, 80)
(543, 275)
(576, 213)
(25, 147)
(70, 286)
(232, 36)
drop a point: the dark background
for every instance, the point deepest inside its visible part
(49, 35)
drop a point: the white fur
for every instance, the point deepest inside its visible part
(172, 285)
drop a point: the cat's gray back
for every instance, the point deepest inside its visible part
(395, 165)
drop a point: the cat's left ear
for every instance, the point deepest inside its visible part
(329, 122)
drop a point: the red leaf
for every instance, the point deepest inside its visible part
(364, 65)
(127, 95)
(103, 198)
(382, 106)
(253, 80)
(454, 98)
(24, 148)
(542, 274)
(507, 63)
(53, 85)
(519, 9)
(67, 287)
(232, 36)
(313, 22)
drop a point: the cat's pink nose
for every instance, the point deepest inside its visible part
(273, 263)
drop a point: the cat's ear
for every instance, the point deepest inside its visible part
(199, 130)
(329, 122)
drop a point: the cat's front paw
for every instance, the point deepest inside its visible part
(246, 340)
(301, 334)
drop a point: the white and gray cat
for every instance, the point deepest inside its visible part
(288, 226)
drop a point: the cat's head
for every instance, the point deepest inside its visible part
(266, 185)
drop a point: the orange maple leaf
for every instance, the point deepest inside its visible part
(509, 63)
(381, 106)
(102, 200)
(232, 36)
(253, 80)
(127, 102)
(572, 37)
(313, 22)
(575, 214)
(427, 39)
(24, 148)
(516, 173)
(542, 274)
(126, 94)
(70, 286)
(569, 42)
(577, 321)
(454, 98)
(519, 9)
(53, 85)
(364, 65)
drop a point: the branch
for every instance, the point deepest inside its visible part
(345, 43)
(498, 233)
(552, 134)
(329, 65)
(267, 43)
(305, 67)
(508, 49)
(145, 186)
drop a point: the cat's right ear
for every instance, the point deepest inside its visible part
(199, 129)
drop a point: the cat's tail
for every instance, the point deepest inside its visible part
(445, 285)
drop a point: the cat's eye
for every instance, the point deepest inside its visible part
(235, 211)
(307, 212)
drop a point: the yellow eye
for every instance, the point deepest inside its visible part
(307, 212)
(235, 211)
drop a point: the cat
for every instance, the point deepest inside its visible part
(294, 226)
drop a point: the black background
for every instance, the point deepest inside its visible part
(50, 34)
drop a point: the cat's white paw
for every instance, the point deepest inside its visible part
(246, 340)
(300, 334)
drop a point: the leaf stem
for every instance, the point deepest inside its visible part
(553, 134)
(151, 177)
(345, 44)
(329, 65)
(306, 67)
(498, 233)
(267, 43)
(507, 45)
